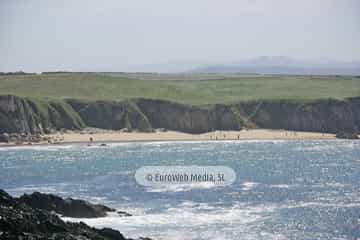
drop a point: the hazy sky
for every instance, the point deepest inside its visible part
(122, 35)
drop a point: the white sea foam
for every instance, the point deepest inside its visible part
(191, 220)
(324, 205)
(324, 146)
(35, 188)
(182, 187)
(38, 147)
(246, 186)
(287, 186)
(214, 142)
(249, 185)
(110, 145)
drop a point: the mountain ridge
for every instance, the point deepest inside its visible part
(284, 65)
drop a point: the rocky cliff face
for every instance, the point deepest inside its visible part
(185, 118)
(319, 116)
(32, 116)
(111, 115)
(23, 115)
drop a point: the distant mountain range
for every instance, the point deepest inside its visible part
(284, 65)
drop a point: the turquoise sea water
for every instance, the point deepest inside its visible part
(283, 189)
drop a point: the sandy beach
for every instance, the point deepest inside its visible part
(259, 134)
(255, 134)
(103, 136)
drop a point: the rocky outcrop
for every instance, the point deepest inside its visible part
(327, 115)
(22, 115)
(66, 207)
(21, 221)
(4, 137)
(347, 135)
(186, 118)
(111, 115)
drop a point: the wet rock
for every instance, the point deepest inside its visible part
(21, 221)
(347, 135)
(4, 137)
(67, 207)
(123, 214)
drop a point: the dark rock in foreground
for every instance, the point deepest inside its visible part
(123, 214)
(67, 207)
(21, 221)
(347, 135)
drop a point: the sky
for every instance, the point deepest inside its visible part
(138, 35)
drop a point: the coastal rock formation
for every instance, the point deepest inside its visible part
(186, 118)
(328, 115)
(22, 115)
(347, 135)
(66, 207)
(4, 137)
(21, 221)
(111, 115)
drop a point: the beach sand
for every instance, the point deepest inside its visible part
(256, 134)
(103, 136)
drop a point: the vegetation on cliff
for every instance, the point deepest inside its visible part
(41, 103)
(24, 115)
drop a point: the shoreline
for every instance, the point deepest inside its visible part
(111, 136)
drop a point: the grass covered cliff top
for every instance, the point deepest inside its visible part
(195, 89)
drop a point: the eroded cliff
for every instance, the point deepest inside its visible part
(23, 115)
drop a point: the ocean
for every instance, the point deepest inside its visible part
(283, 189)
